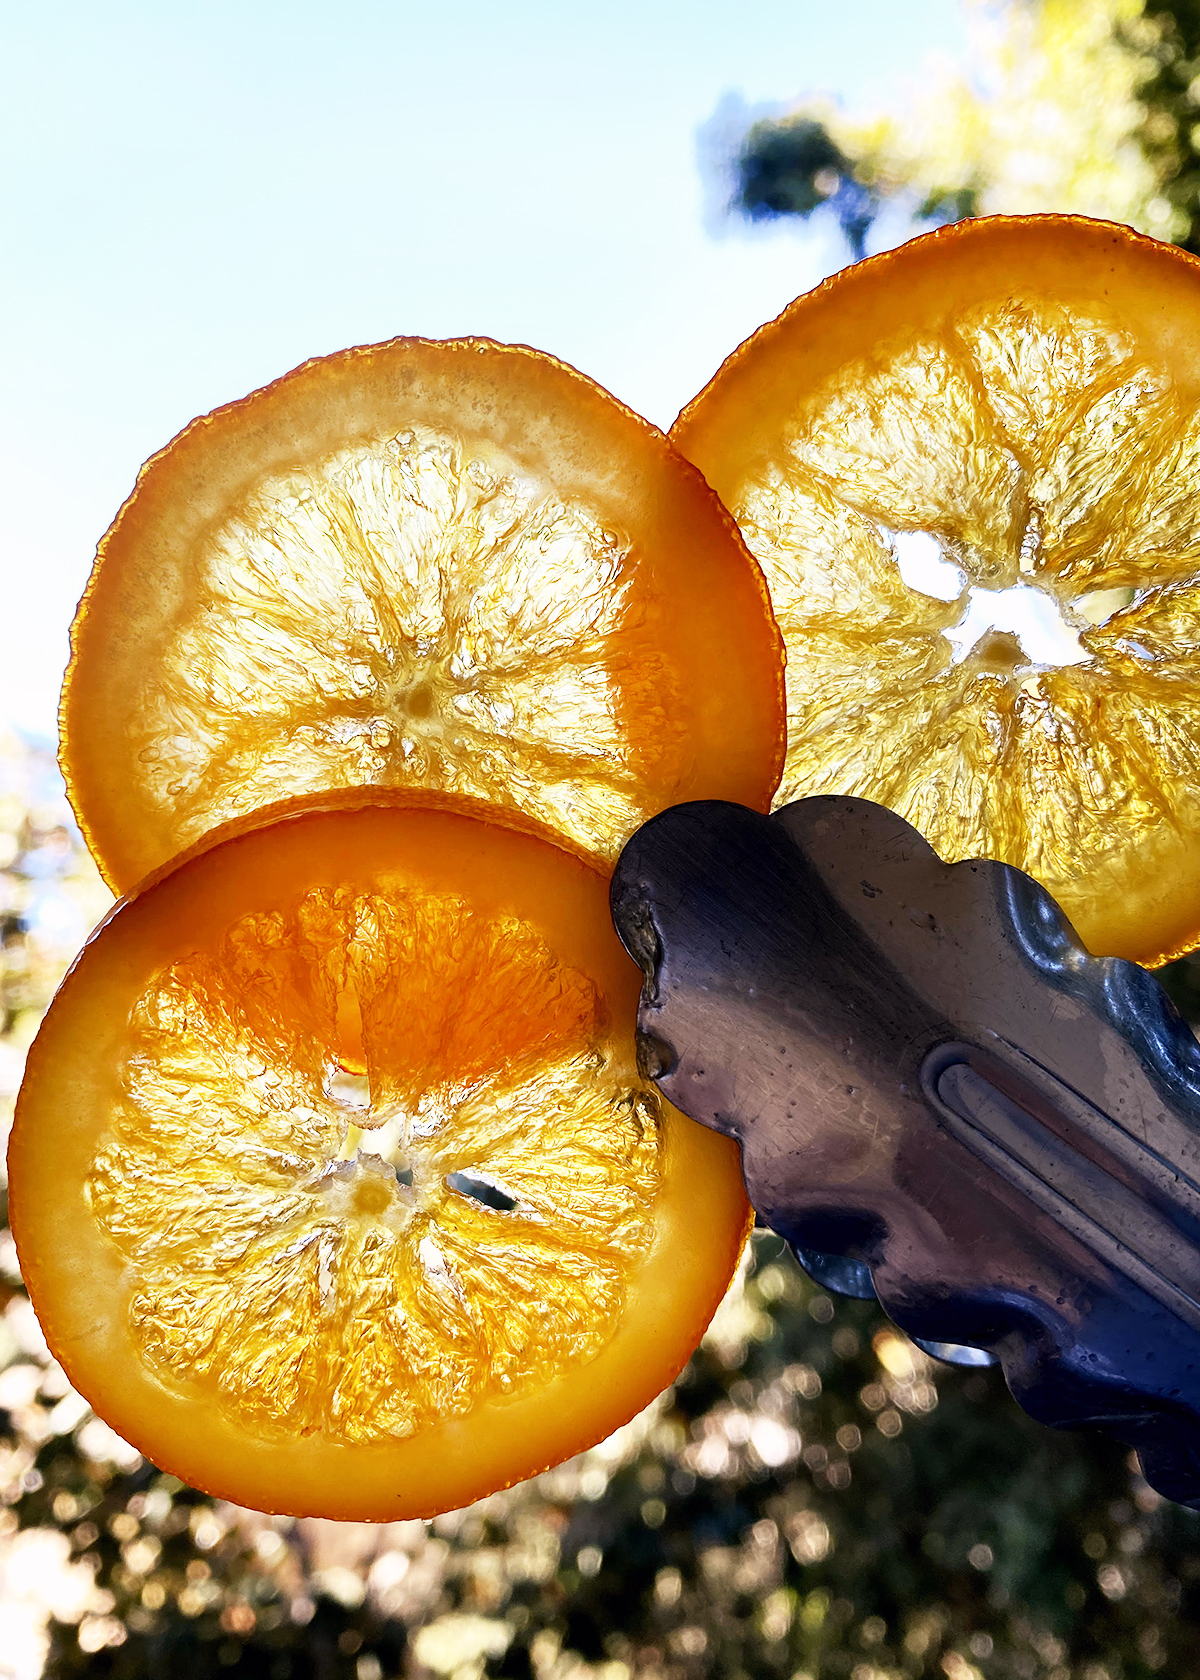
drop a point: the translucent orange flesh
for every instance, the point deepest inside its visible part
(378, 1295)
(1015, 400)
(458, 566)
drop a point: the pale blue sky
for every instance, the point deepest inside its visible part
(199, 195)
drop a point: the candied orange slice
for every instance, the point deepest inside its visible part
(460, 566)
(970, 469)
(334, 1180)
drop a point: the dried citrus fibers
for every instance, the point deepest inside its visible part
(450, 565)
(374, 1295)
(970, 469)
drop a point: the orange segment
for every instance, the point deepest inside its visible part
(367, 1297)
(970, 469)
(452, 565)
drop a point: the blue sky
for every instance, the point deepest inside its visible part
(200, 195)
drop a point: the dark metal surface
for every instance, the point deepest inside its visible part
(939, 1096)
(853, 1278)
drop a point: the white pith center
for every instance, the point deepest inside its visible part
(1047, 637)
(1026, 612)
(394, 1149)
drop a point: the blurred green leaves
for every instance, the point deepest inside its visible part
(1083, 106)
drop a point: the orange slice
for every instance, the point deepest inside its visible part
(461, 566)
(970, 469)
(364, 1297)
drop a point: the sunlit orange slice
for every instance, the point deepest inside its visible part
(460, 566)
(970, 469)
(379, 1296)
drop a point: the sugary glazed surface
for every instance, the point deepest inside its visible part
(410, 611)
(336, 1186)
(296, 1236)
(452, 566)
(1007, 408)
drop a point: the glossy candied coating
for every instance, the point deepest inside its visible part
(1007, 405)
(458, 566)
(347, 1270)
(335, 1182)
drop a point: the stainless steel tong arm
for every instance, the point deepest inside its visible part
(940, 1096)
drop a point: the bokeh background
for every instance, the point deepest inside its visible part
(199, 196)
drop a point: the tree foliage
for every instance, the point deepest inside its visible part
(796, 167)
(1087, 106)
(1170, 94)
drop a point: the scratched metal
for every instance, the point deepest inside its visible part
(940, 1097)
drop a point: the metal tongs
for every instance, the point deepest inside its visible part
(940, 1098)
